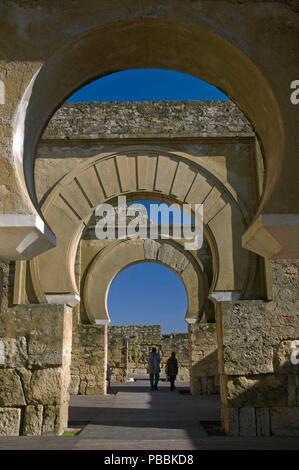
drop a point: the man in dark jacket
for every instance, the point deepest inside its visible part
(172, 370)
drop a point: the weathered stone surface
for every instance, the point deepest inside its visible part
(247, 349)
(11, 391)
(142, 339)
(55, 419)
(88, 368)
(282, 358)
(33, 420)
(74, 385)
(203, 358)
(14, 352)
(151, 248)
(44, 352)
(132, 119)
(285, 421)
(231, 421)
(10, 419)
(257, 390)
(48, 329)
(50, 419)
(45, 386)
(174, 258)
(7, 271)
(247, 421)
(257, 337)
(262, 421)
(25, 376)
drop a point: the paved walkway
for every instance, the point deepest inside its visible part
(135, 418)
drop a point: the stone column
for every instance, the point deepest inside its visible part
(35, 354)
(256, 341)
(204, 376)
(89, 360)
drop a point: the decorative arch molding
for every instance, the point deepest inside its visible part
(182, 43)
(164, 176)
(118, 255)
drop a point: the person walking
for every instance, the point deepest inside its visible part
(154, 368)
(171, 370)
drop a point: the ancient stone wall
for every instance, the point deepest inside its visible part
(140, 341)
(203, 359)
(35, 354)
(147, 119)
(89, 360)
(7, 271)
(260, 385)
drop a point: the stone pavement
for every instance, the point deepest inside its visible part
(132, 417)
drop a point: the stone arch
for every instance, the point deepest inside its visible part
(182, 43)
(167, 176)
(120, 254)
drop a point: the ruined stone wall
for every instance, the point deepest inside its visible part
(203, 359)
(141, 340)
(260, 385)
(7, 271)
(147, 119)
(89, 360)
(201, 128)
(35, 354)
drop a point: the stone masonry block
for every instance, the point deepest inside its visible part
(33, 420)
(11, 390)
(10, 419)
(247, 421)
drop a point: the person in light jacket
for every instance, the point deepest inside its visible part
(154, 368)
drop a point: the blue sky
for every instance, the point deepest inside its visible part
(147, 85)
(147, 293)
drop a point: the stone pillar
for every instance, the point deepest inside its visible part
(35, 354)
(204, 376)
(89, 360)
(259, 382)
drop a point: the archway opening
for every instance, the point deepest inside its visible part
(146, 44)
(148, 293)
(147, 303)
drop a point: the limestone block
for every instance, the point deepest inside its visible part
(231, 420)
(11, 391)
(282, 358)
(262, 421)
(44, 352)
(10, 419)
(247, 421)
(165, 173)
(14, 352)
(151, 248)
(173, 258)
(55, 419)
(74, 385)
(45, 386)
(292, 390)
(285, 421)
(33, 420)
(82, 387)
(25, 376)
(249, 334)
(94, 390)
(267, 390)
